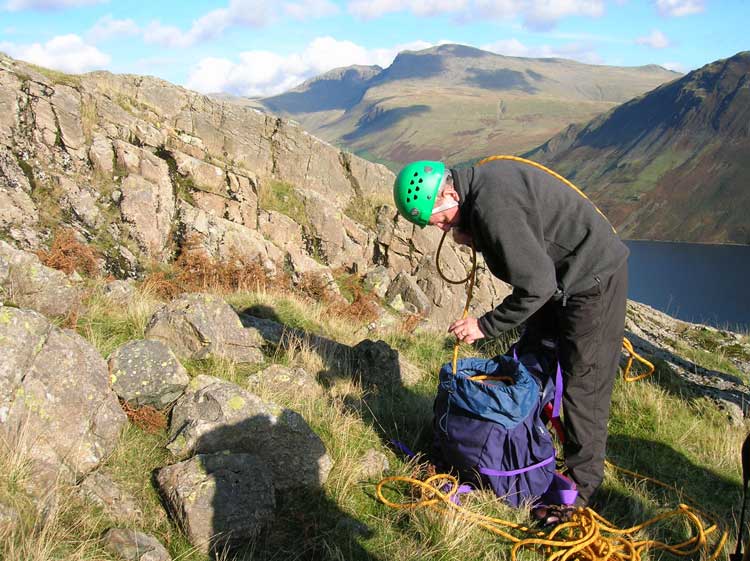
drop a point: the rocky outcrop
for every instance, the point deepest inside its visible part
(146, 373)
(215, 415)
(25, 282)
(55, 398)
(134, 546)
(139, 166)
(378, 364)
(199, 326)
(219, 499)
(665, 339)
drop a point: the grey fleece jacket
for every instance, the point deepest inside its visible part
(537, 234)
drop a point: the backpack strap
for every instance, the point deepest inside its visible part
(499, 473)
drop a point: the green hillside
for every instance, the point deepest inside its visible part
(457, 103)
(672, 164)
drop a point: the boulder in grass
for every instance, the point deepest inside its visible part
(215, 415)
(282, 380)
(380, 365)
(410, 292)
(120, 292)
(55, 399)
(134, 546)
(373, 464)
(219, 499)
(25, 282)
(197, 326)
(146, 372)
(100, 488)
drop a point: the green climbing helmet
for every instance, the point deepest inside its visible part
(416, 188)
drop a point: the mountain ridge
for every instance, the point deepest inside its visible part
(482, 102)
(684, 144)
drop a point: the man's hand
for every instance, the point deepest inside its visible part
(466, 330)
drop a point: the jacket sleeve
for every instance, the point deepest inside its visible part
(516, 254)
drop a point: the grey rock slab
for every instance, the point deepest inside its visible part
(120, 292)
(205, 176)
(100, 488)
(30, 284)
(149, 208)
(132, 545)
(377, 280)
(226, 240)
(55, 398)
(199, 326)
(406, 286)
(215, 415)
(219, 499)
(146, 372)
(373, 464)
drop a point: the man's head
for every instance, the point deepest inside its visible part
(424, 194)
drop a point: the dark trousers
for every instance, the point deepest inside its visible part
(589, 329)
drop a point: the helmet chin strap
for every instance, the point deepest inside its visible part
(445, 206)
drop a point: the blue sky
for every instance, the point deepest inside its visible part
(262, 47)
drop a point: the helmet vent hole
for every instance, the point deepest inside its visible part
(420, 180)
(416, 188)
(416, 174)
(410, 191)
(408, 199)
(412, 182)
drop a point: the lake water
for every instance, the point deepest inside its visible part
(700, 283)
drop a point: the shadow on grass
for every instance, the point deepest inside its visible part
(700, 488)
(393, 409)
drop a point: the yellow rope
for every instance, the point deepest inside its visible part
(586, 537)
(471, 277)
(627, 346)
(550, 172)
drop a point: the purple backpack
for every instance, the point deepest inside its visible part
(491, 431)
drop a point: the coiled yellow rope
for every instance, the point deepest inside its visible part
(586, 537)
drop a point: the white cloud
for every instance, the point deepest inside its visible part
(656, 40)
(67, 53)
(107, 28)
(370, 9)
(677, 8)
(167, 35)
(18, 5)
(508, 47)
(536, 14)
(676, 66)
(263, 73)
(238, 13)
(307, 9)
(580, 51)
